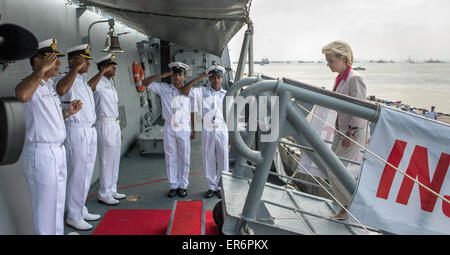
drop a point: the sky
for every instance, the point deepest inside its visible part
(381, 29)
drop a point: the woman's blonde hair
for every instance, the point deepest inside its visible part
(339, 49)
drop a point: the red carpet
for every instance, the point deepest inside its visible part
(134, 222)
(187, 219)
(143, 222)
(210, 225)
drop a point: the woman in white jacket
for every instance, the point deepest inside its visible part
(339, 57)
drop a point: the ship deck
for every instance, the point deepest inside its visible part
(145, 175)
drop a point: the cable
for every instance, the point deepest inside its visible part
(329, 193)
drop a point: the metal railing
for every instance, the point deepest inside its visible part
(323, 157)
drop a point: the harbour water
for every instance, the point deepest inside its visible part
(420, 85)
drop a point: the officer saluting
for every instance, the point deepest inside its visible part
(214, 130)
(44, 154)
(81, 142)
(108, 129)
(176, 111)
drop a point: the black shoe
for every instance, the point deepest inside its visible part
(218, 194)
(172, 193)
(182, 192)
(209, 193)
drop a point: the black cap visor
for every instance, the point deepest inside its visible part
(79, 52)
(216, 73)
(106, 62)
(178, 70)
(48, 50)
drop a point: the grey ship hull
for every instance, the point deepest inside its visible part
(69, 24)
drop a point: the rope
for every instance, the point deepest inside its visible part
(293, 174)
(297, 213)
(378, 157)
(329, 193)
(246, 230)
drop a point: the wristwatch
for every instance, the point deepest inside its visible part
(66, 113)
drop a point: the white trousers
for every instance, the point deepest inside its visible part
(177, 148)
(109, 144)
(46, 172)
(81, 147)
(215, 156)
(349, 153)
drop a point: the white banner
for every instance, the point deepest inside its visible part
(326, 133)
(385, 198)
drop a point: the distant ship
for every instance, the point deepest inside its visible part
(263, 61)
(433, 61)
(410, 61)
(360, 68)
(380, 61)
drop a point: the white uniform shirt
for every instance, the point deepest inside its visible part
(212, 107)
(106, 100)
(44, 122)
(173, 102)
(80, 90)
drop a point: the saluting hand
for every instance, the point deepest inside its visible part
(75, 106)
(107, 68)
(78, 62)
(46, 63)
(166, 74)
(149, 80)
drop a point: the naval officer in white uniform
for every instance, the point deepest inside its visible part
(214, 129)
(44, 154)
(176, 111)
(108, 128)
(81, 141)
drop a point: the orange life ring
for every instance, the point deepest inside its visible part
(138, 74)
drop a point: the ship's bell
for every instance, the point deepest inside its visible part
(112, 44)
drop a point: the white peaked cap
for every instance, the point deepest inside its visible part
(77, 48)
(110, 58)
(179, 65)
(48, 46)
(46, 43)
(82, 49)
(216, 68)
